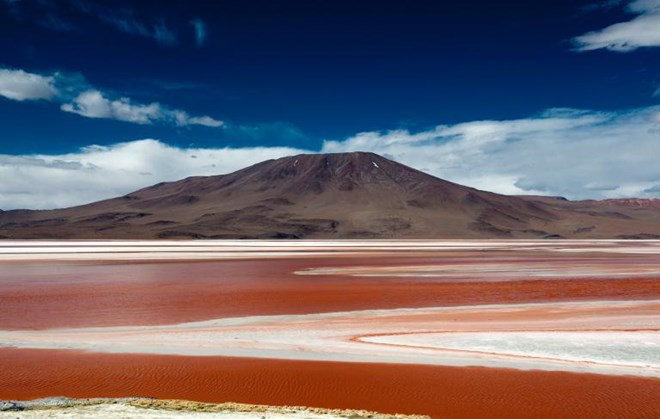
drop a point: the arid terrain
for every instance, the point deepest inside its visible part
(333, 196)
(449, 329)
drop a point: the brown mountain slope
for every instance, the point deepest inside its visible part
(345, 195)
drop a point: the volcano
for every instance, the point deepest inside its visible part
(332, 196)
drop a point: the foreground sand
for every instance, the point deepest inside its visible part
(449, 329)
(123, 411)
(60, 408)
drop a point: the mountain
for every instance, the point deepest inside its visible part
(340, 196)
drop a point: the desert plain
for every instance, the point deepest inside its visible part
(449, 329)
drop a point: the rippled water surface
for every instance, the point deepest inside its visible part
(41, 293)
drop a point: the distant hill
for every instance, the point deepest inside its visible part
(339, 196)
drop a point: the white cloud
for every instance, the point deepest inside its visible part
(92, 104)
(577, 154)
(182, 118)
(206, 121)
(20, 85)
(75, 96)
(642, 31)
(99, 172)
(573, 153)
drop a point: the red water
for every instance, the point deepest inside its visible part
(37, 296)
(442, 392)
(59, 294)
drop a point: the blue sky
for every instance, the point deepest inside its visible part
(548, 97)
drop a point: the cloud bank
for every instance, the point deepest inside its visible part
(99, 172)
(642, 31)
(573, 153)
(90, 102)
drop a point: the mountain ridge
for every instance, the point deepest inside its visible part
(338, 195)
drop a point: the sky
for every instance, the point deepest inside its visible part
(552, 97)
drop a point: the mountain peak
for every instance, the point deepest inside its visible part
(334, 162)
(317, 173)
(336, 195)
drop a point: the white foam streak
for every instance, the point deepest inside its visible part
(607, 337)
(228, 249)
